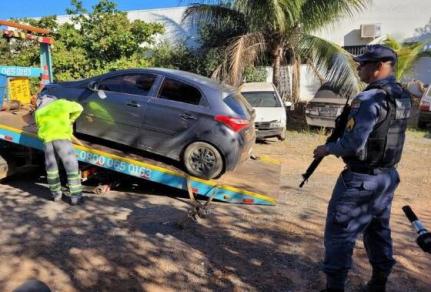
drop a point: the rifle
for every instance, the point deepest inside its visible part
(337, 132)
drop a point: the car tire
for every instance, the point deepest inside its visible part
(283, 135)
(203, 160)
(422, 124)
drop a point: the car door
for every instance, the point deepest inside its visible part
(171, 117)
(114, 111)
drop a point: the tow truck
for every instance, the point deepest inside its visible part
(253, 182)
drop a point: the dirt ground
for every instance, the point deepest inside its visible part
(128, 240)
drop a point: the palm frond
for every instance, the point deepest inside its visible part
(407, 55)
(331, 61)
(217, 15)
(392, 43)
(241, 52)
(270, 15)
(318, 13)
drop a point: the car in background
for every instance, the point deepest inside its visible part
(172, 113)
(326, 105)
(270, 109)
(425, 109)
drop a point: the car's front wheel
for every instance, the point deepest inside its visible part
(203, 160)
(282, 135)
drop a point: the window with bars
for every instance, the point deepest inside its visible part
(355, 50)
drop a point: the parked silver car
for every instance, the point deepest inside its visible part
(176, 114)
(326, 105)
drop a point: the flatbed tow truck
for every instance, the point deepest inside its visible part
(253, 182)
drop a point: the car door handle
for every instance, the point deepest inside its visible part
(133, 104)
(186, 116)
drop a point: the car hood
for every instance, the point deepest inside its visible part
(335, 101)
(267, 114)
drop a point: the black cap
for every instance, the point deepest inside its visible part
(375, 53)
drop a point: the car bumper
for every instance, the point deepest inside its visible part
(320, 122)
(268, 133)
(425, 117)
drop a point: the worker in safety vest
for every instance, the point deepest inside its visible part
(54, 119)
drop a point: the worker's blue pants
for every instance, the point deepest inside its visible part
(62, 150)
(359, 203)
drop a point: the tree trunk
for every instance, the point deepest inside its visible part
(276, 63)
(296, 78)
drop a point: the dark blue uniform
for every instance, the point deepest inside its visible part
(362, 197)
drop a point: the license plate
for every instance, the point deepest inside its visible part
(328, 112)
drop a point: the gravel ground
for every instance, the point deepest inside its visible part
(128, 240)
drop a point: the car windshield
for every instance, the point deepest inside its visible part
(262, 99)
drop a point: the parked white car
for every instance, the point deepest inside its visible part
(270, 109)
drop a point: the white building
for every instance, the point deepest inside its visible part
(397, 18)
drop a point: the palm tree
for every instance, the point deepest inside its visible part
(283, 30)
(408, 54)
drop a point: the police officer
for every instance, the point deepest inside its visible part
(371, 147)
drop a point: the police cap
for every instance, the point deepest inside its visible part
(375, 53)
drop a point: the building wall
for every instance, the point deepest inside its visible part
(398, 18)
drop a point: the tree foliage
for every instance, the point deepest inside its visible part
(93, 42)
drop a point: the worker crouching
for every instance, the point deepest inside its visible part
(54, 119)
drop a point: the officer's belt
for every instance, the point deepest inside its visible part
(371, 171)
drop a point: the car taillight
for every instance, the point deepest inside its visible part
(424, 106)
(235, 124)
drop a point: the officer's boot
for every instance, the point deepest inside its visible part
(378, 281)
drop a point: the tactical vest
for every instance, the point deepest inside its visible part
(385, 143)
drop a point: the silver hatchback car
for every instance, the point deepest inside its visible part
(176, 114)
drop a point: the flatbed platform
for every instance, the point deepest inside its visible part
(253, 182)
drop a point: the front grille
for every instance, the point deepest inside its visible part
(262, 125)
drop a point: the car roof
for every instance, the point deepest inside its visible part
(183, 75)
(257, 86)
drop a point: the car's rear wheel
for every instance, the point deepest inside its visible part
(203, 160)
(282, 135)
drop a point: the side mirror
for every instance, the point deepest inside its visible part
(288, 104)
(93, 86)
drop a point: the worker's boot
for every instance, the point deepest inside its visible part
(378, 281)
(56, 196)
(76, 200)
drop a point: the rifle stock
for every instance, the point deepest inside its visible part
(337, 132)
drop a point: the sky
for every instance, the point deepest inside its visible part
(34, 8)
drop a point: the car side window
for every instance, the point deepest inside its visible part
(179, 91)
(138, 84)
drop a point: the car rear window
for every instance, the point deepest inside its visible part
(238, 104)
(262, 99)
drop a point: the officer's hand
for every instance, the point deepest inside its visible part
(320, 151)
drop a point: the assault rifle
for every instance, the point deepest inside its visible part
(337, 132)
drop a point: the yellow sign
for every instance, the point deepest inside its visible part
(19, 89)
